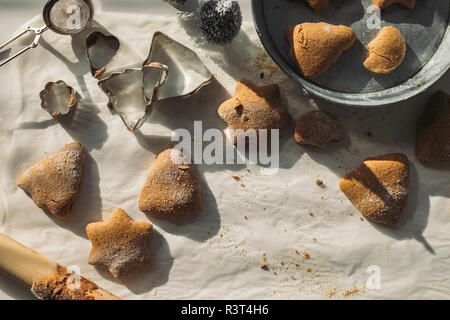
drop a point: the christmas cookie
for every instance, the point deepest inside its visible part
(379, 188)
(53, 182)
(386, 51)
(171, 187)
(254, 107)
(316, 46)
(317, 128)
(317, 5)
(119, 243)
(433, 139)
(386, 3)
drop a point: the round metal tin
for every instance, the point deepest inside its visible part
(426, 30)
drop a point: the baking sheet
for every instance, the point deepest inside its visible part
(218, 254)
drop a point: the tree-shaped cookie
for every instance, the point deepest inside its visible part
(119, 243)
(379, 188)
(316, 46)
(171, 187)
(53, 182)
(254, 107)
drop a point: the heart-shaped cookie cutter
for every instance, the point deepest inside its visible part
(101, 50)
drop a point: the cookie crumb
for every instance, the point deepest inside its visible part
(264, 266)
(351, 291)
(306, 255)
(331, 293)
(319, 182)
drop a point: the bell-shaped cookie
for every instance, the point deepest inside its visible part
(316, 46)
(379, 188)
(171, 187)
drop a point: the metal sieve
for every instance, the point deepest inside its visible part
(66, 17)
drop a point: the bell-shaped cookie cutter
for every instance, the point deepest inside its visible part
(170, 71)
(58, 99)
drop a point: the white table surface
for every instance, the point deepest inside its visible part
(14, 13)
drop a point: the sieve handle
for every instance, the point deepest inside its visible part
(37, 36)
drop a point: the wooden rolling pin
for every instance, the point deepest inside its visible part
(48, 280)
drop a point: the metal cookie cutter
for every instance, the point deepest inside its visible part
(58, 99)
(126, 95)
(66, 17)
(101, 49)
(171, 71)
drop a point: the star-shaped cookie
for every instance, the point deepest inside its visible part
(254, 107)
(171, 187)
(379, 188)
(53, 182)
(119, 243)
(410, 4)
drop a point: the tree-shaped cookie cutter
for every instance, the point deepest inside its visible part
(171, 71)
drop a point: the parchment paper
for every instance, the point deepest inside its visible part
(217, 255)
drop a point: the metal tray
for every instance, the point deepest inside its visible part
(426, 30)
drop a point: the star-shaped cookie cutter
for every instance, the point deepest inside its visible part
(171, 71)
